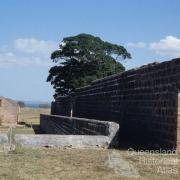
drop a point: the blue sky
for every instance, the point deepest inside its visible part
(31, 30)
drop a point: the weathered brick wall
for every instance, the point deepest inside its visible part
(9, 112)
(52, 124)
(144, 101)
(62, 108)
(178, 124)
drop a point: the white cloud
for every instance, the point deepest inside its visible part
(37, 52)
(9, 59)
(170, 46)
(27, 52)
(137, 45)
(33, 45)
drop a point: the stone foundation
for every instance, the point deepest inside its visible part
(77, 132)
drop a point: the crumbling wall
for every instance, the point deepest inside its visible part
(74, 132)
(52, 124)
(144, 101)
(9, 112)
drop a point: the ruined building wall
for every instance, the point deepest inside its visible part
(9, 112)
(178, 124)
(144, 101)
(52, 124)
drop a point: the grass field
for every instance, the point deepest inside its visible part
(29, 121)
(80, 164)
(70, 164)
(31, 115)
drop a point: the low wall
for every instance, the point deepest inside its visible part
(62, 141)
(68, 132)
(90, 132)
(52, 124)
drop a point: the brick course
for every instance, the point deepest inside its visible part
(68, 126)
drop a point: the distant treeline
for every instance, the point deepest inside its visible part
(34, 105)
(44, 105)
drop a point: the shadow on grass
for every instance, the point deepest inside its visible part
(142, 144)
(137, 142)
(36, 127)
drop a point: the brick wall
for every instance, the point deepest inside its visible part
(9, 112)
(178, 124)
(144, 101)
(62, 107)
(52, 124)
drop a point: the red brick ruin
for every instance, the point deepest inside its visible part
(144, 101)
(9, 112)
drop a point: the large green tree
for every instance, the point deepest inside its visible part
(81, 59)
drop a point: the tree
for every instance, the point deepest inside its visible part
(81, 59)
(21, 103)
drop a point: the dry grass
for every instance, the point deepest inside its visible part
(55, 164)
(29, 117)
(70, 164)
(155, 165)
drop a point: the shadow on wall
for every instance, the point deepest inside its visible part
(143, 101)
(103, 133)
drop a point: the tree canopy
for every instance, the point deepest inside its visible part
(81, 59)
